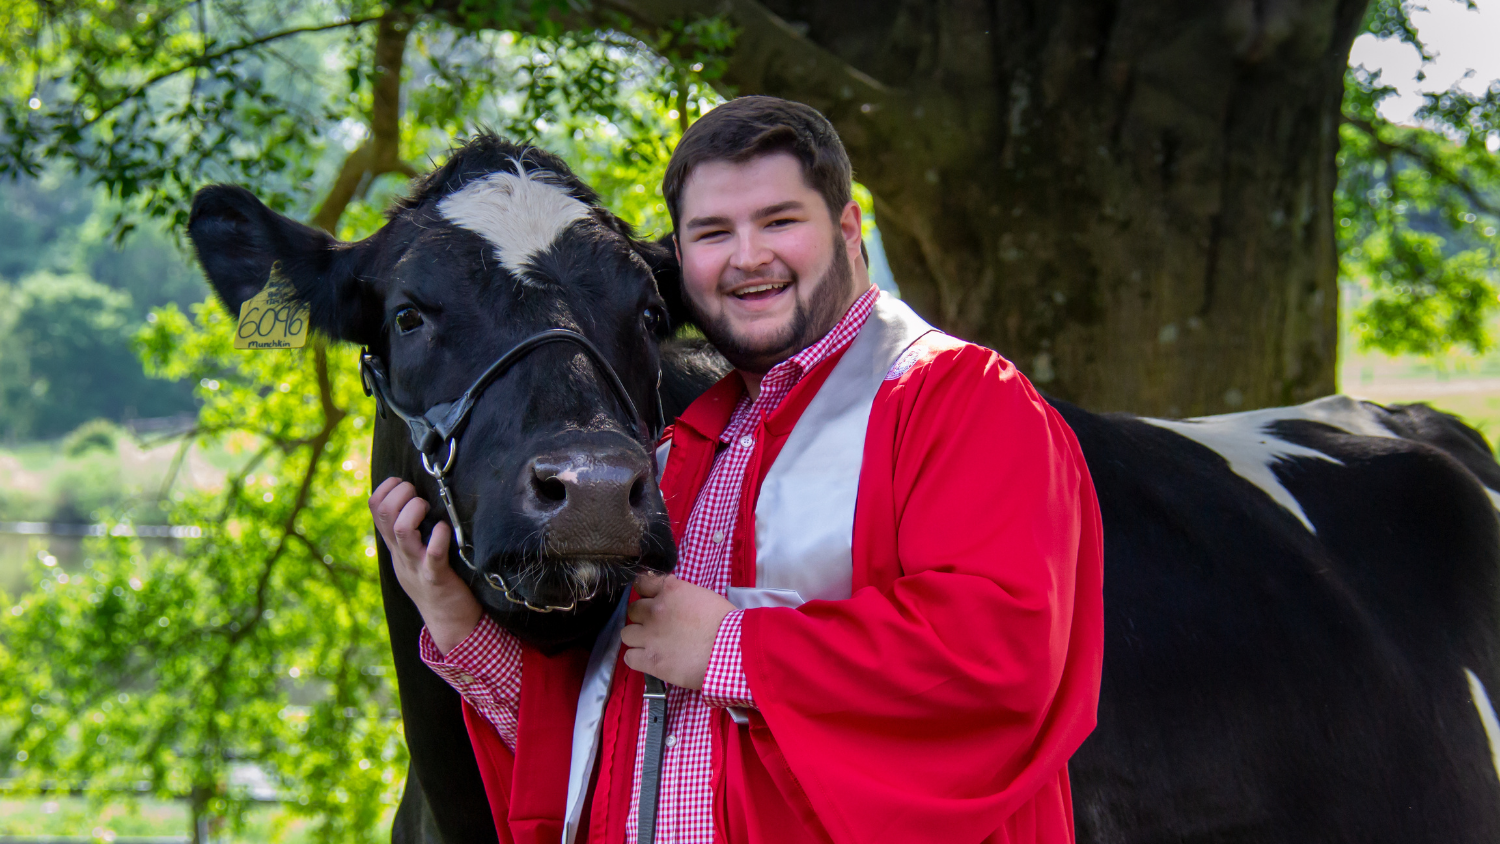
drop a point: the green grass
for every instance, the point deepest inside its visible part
(79, 816)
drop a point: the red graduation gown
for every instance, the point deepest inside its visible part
(942, 701)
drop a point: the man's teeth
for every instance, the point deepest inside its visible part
(761, 288)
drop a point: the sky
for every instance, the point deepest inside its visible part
(1463, 39)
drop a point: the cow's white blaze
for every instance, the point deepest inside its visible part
(520, 213)
(1252, 450)
(1486, 716)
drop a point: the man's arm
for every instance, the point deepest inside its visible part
(459, 642)
(946, 696)
(485, 669)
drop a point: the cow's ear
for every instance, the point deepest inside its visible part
(661, 256)
(239, 240)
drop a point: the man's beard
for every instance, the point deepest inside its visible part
(810, 321)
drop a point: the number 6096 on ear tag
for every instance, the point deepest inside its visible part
(272, 319)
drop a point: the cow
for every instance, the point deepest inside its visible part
(552, 472)
(1302, 628)
(1300, 603)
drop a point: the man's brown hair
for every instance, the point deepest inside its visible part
(749, 127)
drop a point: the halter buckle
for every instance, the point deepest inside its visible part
(451, 421)
(447, 464)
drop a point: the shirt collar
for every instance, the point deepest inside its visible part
(837, 337)
(782, 377)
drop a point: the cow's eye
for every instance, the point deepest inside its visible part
(408, 319)
(655, 319)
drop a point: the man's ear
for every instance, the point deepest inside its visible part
(661, 256)
(238, 241)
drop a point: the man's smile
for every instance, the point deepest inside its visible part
(760, 291)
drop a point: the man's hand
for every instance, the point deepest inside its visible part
(447, 606)
(672, 629)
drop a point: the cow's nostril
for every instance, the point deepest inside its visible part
(637, 492)
(550, 489)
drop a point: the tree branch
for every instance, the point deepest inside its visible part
(208, 58)
(770, 54)
(381, 152)
(176, 465)
(237, 481)
(332, 416)
(1429, 161)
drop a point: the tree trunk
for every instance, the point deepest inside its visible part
(1131, 201)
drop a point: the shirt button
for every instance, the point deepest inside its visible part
(746, 441)
(671, 741)
(466, 678)
(717, 537)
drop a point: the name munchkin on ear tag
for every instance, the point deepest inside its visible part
(272, 318)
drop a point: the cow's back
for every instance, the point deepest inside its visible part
(1300, 605)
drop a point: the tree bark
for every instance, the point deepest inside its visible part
(1131, 201)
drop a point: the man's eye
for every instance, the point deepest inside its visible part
(408, 319)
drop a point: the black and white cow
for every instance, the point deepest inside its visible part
(553, 475)
(1301, 604)
(1302, 616)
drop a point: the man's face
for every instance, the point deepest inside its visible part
(766, 270)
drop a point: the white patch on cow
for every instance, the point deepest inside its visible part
(1245, 441)
(1486, 716)
(520, 213)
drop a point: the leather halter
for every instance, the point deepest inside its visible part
(435, 433)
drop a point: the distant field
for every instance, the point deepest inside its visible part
(1466, 386)
(41, 482)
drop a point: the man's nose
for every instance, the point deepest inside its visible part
(750, 251)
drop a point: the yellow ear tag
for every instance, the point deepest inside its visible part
(272, 318)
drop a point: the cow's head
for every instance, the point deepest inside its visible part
(553, 479)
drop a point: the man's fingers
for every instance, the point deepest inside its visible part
(640, 660)
(408, 528)
(650, 584)
(633, 636)
(389, 508)
(381, 501)
(437, 549)
(382, 491)
(639, 611)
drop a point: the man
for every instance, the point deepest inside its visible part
(886, 619)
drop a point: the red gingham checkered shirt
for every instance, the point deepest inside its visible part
(486, 667)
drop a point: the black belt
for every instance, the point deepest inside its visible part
(656, 723)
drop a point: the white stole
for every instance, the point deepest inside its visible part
(804, 517)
